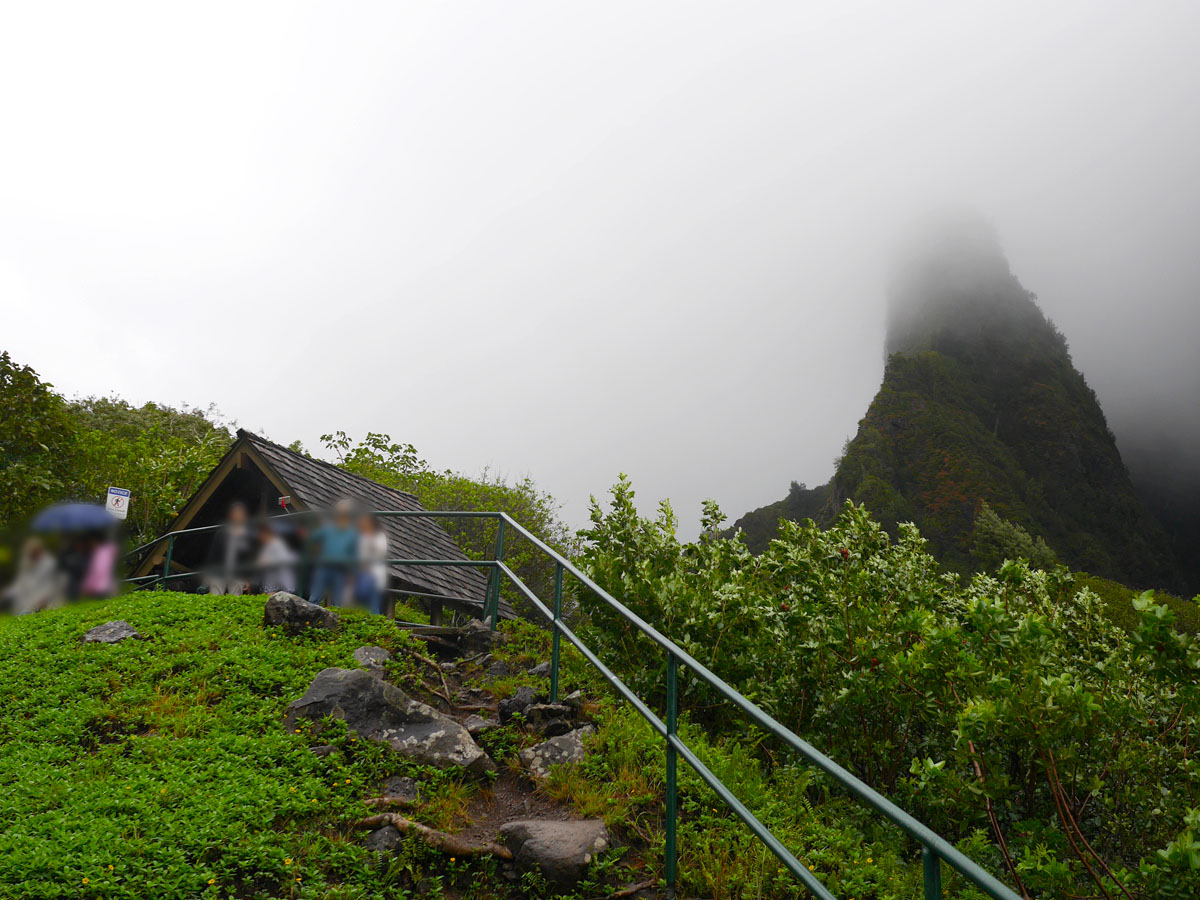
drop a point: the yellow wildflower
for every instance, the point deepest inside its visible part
(288, 861)
(212, 881)
(85, 881)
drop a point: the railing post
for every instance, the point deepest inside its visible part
(167, 560)
(932, 864)
(494, 601)
(555, 640)
(672, 715)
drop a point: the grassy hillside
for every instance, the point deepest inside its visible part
(161, 769)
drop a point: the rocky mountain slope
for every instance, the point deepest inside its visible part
(980, 401)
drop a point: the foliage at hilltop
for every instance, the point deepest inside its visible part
(36, 442)
(1008, 704)
(53, 449)
(160, 454)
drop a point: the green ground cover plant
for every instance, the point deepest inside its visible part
(161, 768)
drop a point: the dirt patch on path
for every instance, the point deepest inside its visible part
(508, 799)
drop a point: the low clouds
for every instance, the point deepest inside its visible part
(577, 241)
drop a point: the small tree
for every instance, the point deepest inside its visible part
(995, 539)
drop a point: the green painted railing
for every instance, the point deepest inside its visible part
(934, 849)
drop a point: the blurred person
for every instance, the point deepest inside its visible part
(299, 542)
(100, 578)
(276, 563)
(73, 562)
(231, 553)
(39, 583)
(372, 564)
(335, 548)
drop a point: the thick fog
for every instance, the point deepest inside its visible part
(572, 240)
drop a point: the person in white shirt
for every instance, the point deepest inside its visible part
(372, 566)
(276, 562)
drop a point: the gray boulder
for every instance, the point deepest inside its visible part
(550, 719)
(561, 851)
(381, 712)
(558, 751)
(295, 614)
(477, 725)
(373, 659)
(517, 703)
(541, 670)
(477, 637)
(110, 633)
(384, 840)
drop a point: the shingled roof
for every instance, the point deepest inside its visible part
(316, 484)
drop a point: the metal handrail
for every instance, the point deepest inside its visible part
(934, 848)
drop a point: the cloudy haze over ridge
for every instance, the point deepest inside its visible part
(572, 240)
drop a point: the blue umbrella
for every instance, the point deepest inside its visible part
(73, 517)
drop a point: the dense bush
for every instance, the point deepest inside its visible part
(1009, 702)
(160, 454)
(37, 443)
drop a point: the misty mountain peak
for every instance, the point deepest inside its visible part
(951, 288)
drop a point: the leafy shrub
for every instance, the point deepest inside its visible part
(1009, 703)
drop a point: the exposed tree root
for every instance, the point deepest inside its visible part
(400, 802)
(447, 843)
(632, 889)
(442, 675)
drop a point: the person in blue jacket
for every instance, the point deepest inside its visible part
(334, 547)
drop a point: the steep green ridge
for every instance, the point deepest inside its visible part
(980, 402)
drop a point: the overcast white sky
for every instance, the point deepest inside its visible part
(576, 239)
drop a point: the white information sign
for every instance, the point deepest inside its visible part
(118, 502)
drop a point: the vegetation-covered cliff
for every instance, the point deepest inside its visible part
(980, 402)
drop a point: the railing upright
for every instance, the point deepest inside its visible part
(932, 864)
(556, 639)
(494, 600)
(167, 560)
(672, 788)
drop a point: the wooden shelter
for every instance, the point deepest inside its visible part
(265, 477)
